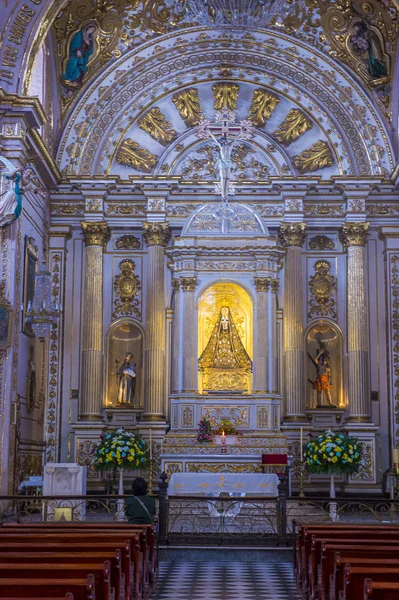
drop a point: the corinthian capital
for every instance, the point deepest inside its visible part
(188, 283)
(354, 234)
(95, 233)
(292, 234)
(262, 283)
(156, 234)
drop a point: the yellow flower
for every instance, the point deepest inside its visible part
(337, 449)
(334, 459)
(130, 458)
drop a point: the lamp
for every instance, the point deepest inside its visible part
(239, 14)
(42, 313)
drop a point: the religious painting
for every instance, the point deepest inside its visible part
(324, 366)
(124, 359)
(82, 47)
(5, 325)
(367, 45)
(63, 513)
(225, 339)
(30, 267)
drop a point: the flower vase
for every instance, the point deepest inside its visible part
(119, 505)
(333, 505)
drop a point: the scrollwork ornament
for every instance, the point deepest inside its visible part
(318, 156)
(321, 242)
(322, 289)
(128, 242)
(156, 234)
(292, 234)
(127, 287)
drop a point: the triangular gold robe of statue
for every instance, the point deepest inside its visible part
(225, 349)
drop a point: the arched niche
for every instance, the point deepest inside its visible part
(124, 336)
(210, 304)
(324, 335)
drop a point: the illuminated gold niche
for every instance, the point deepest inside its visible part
(210, 304)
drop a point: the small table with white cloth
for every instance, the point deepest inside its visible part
(212, 484)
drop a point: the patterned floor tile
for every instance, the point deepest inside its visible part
(225, 581)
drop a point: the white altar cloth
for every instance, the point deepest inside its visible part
(211, 484)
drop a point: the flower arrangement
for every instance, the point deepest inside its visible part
(121, 450)
(205, 431)
(333, 452)
(227, 428)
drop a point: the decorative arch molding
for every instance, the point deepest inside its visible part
(305, 76)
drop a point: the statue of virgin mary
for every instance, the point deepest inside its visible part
(225, 350)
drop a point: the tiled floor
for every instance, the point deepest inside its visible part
(225, 581)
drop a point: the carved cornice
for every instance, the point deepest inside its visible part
(156, 234)
(95, 233)
(275, 284)
(188, 284)
(354, 234)
(292, 234)
(262, 284)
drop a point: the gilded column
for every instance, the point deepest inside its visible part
(262, 338)
(157, 236)
(176, 336)
(273, 354)
(293, 235)
(354, 236)
(190, 354)
(96, 235)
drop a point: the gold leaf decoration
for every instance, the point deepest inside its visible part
(126, 287)
(295, 124)
(316, 157)
(133, 155)
(157, 126)
(188, 104)
(225, 95)
(262, 105)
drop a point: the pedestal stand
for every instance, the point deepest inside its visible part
(120, 515)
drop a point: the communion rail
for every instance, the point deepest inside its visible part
(204, 520)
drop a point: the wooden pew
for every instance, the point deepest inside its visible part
(136, 535)
(84, 548)
(355, 576)
(66, 597)
(380, 590)
(359, 557)
(67, 558)
(81, 589)
(42, 570)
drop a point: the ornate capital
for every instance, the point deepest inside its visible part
(354, 234)
(95, 233)
(156, 234)
(292, 234)
(275, 284)
(262, 283)
(176, 285)
(188, 283)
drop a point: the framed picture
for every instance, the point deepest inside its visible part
(30, 268)
(62, 513)
(6, 317)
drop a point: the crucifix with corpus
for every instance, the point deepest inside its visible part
(225, 132)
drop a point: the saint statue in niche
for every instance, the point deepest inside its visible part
(225, 350)
(11, 200)
(322, 382)
(127, 381)
(365, 44)
(81, 48)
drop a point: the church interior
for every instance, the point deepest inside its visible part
(199, 237)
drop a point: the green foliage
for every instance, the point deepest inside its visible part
(333, 452)
(121, 450)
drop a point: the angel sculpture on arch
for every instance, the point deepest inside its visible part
(11, 200)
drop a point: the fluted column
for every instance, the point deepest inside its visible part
(190, 354)
(157, 236)
(354, 236)
(273, 354)
(261, 360)
(176, 336)
(96, 235)
(293, 235)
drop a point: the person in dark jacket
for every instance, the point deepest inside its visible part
(140, 509)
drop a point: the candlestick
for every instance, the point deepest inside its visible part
(301, 444)
(301, 492)
(151, 470)
(223, 440)
(150, 444)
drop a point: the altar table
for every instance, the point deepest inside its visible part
(211, 484)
